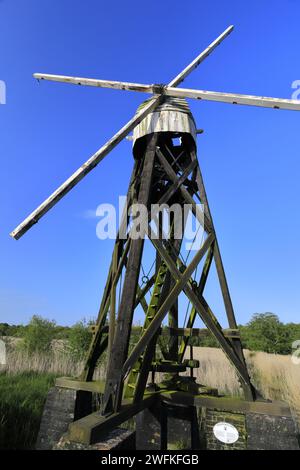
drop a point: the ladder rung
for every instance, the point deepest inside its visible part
(168, 367)
(192, 363)
(131, 385)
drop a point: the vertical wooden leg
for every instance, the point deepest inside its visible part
(114, 385)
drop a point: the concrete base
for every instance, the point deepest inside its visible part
(271, 433)
(175, 427)
(148, 429)
(174, 421)
(59, 412)
(118, 439)
(62, 407)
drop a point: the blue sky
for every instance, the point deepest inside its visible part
(249, 156)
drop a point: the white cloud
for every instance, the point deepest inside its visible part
(89, 214)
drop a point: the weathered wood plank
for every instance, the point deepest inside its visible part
(234, 98)
(197, 332)
(96, 386)
(275, 408)
(179, 286)
(204, 221)
(209, 320)
(112, 399)
(204, 95)
(89, 165)
(94, 426)
(98, 156)
(236, 342)
(182, 75)
(200, 289)
(177, 184)
(95, 82)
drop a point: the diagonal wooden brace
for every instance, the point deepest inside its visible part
(210, 321)
(182, 280)
(188, 198)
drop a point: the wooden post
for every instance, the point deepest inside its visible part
(114, 386)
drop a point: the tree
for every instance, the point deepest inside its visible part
(294, 331)
(38, 335)
(79, 338)
(4, 329)
(266, 333)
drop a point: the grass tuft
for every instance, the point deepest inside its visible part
(22, 398)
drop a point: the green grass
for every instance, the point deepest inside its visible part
(22, 397)
(178, 445)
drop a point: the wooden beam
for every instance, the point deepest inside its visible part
(95, 82)
(197, 332)
(89, 165)
(275, 408)
(200, 289)
(96, 386)
(136, 86)
(160, 290)
(93, 427)
(236, 342)
(143, 291)
(204, 221)
(177, 184)
(182, 75)
(203, 95)
(163, 310)
(112, 310)
(114, 387)
(142, 299)
(209, 320)
(216, 250)
(96, 347)
(234, 98)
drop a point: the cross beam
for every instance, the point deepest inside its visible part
(179, 286)
(154, 89)
(98, 156)
(206, 315)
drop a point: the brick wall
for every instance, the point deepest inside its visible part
(208, 419)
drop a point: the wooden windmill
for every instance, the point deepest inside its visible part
(164, 172)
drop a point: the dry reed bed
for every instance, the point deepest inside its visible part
(274, 375)
(57, 362)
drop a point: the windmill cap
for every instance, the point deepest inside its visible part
(172, 115)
